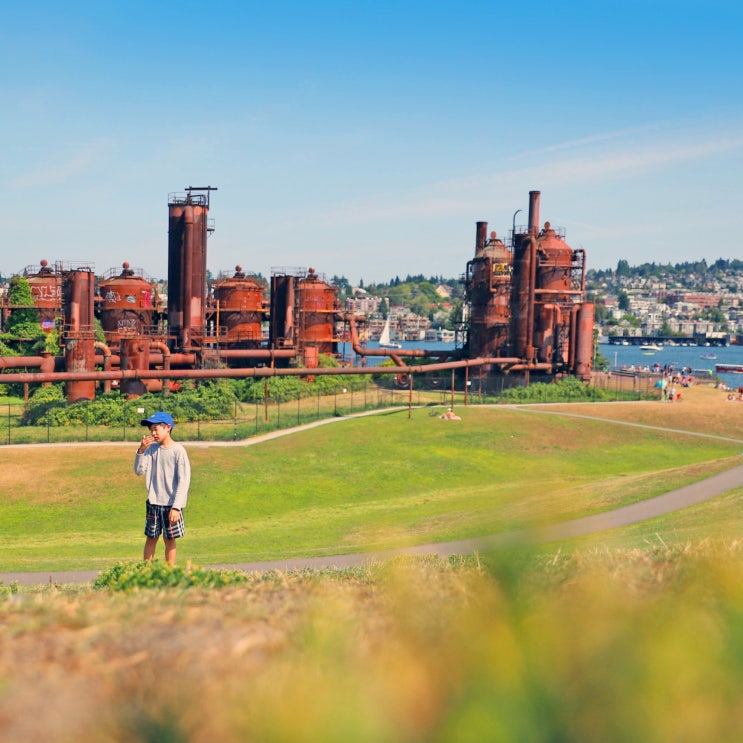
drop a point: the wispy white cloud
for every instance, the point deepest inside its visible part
(75, 160)
(598, 138)
(624, 158)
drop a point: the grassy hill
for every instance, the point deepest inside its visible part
(357, 485)
(595, 639)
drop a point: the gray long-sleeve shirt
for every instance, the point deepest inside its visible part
(167, 472)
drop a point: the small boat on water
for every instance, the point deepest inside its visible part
(384, 339)
(650, 347)
(708, 356)
(729, 368)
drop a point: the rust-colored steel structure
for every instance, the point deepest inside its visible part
(78, 291)
(528, 301)
(46, 291)
(188, 228)
(281, 327)
(304, 312)
(127, 303)
(317, 310)
(488, 279)
(525, 298)
(239, 309)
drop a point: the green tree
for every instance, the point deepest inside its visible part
(23, 324)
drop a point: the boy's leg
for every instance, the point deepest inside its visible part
(149, 548)
(169, 550)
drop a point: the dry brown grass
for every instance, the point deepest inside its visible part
(593, 646)
(277, 657)
(701, 409)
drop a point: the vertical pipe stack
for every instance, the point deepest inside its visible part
(78, 288)
(187, 233)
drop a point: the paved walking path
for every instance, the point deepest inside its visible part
(674, 500)
(647, 509)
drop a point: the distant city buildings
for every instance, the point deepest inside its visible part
(704, 305)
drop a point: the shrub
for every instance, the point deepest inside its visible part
(132, 576)
(563, 390)
(48, 407)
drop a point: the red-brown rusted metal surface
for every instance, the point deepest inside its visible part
(187, 234)
(46, 290)
(78, 290)
(584, 342)
(488, 288)
(127, 303)
(526, 300)
(239, 310)
(281, 327)
(317, 309)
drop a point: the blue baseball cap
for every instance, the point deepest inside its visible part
(159, 417)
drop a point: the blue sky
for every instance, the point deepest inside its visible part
(366, 139)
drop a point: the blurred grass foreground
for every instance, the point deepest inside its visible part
(620, 645)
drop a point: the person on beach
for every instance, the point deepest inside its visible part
(167, 471)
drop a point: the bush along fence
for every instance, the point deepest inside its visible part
(224, 412)
(81, 422)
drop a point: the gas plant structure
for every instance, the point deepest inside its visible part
(525, 314)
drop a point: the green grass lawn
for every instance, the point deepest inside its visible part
(378, 482)
(634, 634)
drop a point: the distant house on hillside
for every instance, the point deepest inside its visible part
(444, 291)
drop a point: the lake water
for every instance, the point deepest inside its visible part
(677, 356)
(348, 355)
(618, 356)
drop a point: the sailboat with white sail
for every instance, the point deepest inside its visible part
(384, 338)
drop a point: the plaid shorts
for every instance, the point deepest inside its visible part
(158, 522)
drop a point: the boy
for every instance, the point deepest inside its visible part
(167, 471)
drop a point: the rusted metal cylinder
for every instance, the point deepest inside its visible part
(521, 296)
(310, 357)
(584, 342)
(481, 237)
(534, 197)
(176, 207)
(135, 356)
(281, 328)
(555, 262)
(239, 307)
(128, 304)
(78, 291)
(187, 233)
(317, 305)
(545, 337)
(46, 290)
(488, 288)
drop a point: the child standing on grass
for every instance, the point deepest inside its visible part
(167, 471)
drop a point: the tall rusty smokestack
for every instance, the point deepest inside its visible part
(534, 212)
(482, 236)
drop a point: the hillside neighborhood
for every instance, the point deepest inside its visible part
(689, 300)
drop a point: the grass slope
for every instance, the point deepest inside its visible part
(360, 484)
